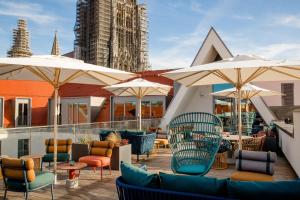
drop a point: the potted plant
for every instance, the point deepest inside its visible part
(81, 148)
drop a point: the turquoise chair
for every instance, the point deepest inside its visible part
(194, 140)
(19, 176)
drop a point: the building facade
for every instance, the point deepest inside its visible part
(112, 33)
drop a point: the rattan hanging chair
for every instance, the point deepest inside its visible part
(194, 140)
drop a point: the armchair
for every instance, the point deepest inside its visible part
(63, 151)
(19, 176)
(100, 154)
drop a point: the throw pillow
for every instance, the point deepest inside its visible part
(139, 177)
(194, 184)
(114, 137)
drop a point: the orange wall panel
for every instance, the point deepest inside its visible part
(39, 93)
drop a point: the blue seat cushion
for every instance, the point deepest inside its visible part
(41, 179)
(134, 132)
(264, 190)
(191, 169)
(61, 157)
(194, 184)
(139, 177)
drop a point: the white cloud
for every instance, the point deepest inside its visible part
(197, 7)
(287, 20)
(184, 47)
(280, 51)
(30, 11)
(242, 17)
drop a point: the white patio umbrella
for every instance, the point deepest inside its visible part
(247, 92)
(238, 70)
(58, 70)
(139, 88)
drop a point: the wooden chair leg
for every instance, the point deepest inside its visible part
(26, 195)
(109, 169)
(52, 196)
(94, 168)
(101, 171)
(5, 193)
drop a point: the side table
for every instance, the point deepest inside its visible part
(120, 153)
(72, 182)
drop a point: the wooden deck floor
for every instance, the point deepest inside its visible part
(91, 187)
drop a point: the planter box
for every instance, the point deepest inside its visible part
(121, 153)
(79, 150)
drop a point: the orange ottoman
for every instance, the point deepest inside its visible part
(250, 176)
(95, 161)
(163, 142)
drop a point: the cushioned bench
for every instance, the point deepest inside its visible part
(136, 183)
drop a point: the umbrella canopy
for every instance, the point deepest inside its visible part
(247, 92)
(238, 70)
(139, 88)
(58, 70)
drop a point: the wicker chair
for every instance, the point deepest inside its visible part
(194, 140)
(253, 144)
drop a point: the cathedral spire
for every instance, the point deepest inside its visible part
(55, 47)
(20, 46)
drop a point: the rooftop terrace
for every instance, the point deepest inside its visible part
(91, 187)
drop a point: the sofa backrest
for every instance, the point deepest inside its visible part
(16, 169)
(63, 146)
(101, 148)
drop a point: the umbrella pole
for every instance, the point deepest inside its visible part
(140, 113)
(239, 117)
(55, 133)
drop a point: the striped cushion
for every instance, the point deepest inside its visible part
(101, 148)
(63, 146)
(13, 168)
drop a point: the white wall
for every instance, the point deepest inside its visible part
(276, 86)
(199, 100)
(290, 146)
(9, 141)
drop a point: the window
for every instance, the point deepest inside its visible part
(118, 111)
(146, 109)
(77, 113)
(82, 113)
(23, 147)
(288, 90)
(1, 111)
(157, 109)
(22, 112)
(130, 110)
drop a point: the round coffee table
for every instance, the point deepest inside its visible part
(72, 168)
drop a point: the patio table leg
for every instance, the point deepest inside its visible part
(72, 174)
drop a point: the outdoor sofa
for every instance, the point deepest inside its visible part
(141, 141)
(136, 183)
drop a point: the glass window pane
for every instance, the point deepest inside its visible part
(70, 114)
(157, 109)
(82, 113)
(75, 113)
(118, 111)
(146, 109)
(130, 110)
(23, 147)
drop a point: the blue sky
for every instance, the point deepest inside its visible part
(269, 28)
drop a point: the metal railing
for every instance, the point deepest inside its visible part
(37, 135)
